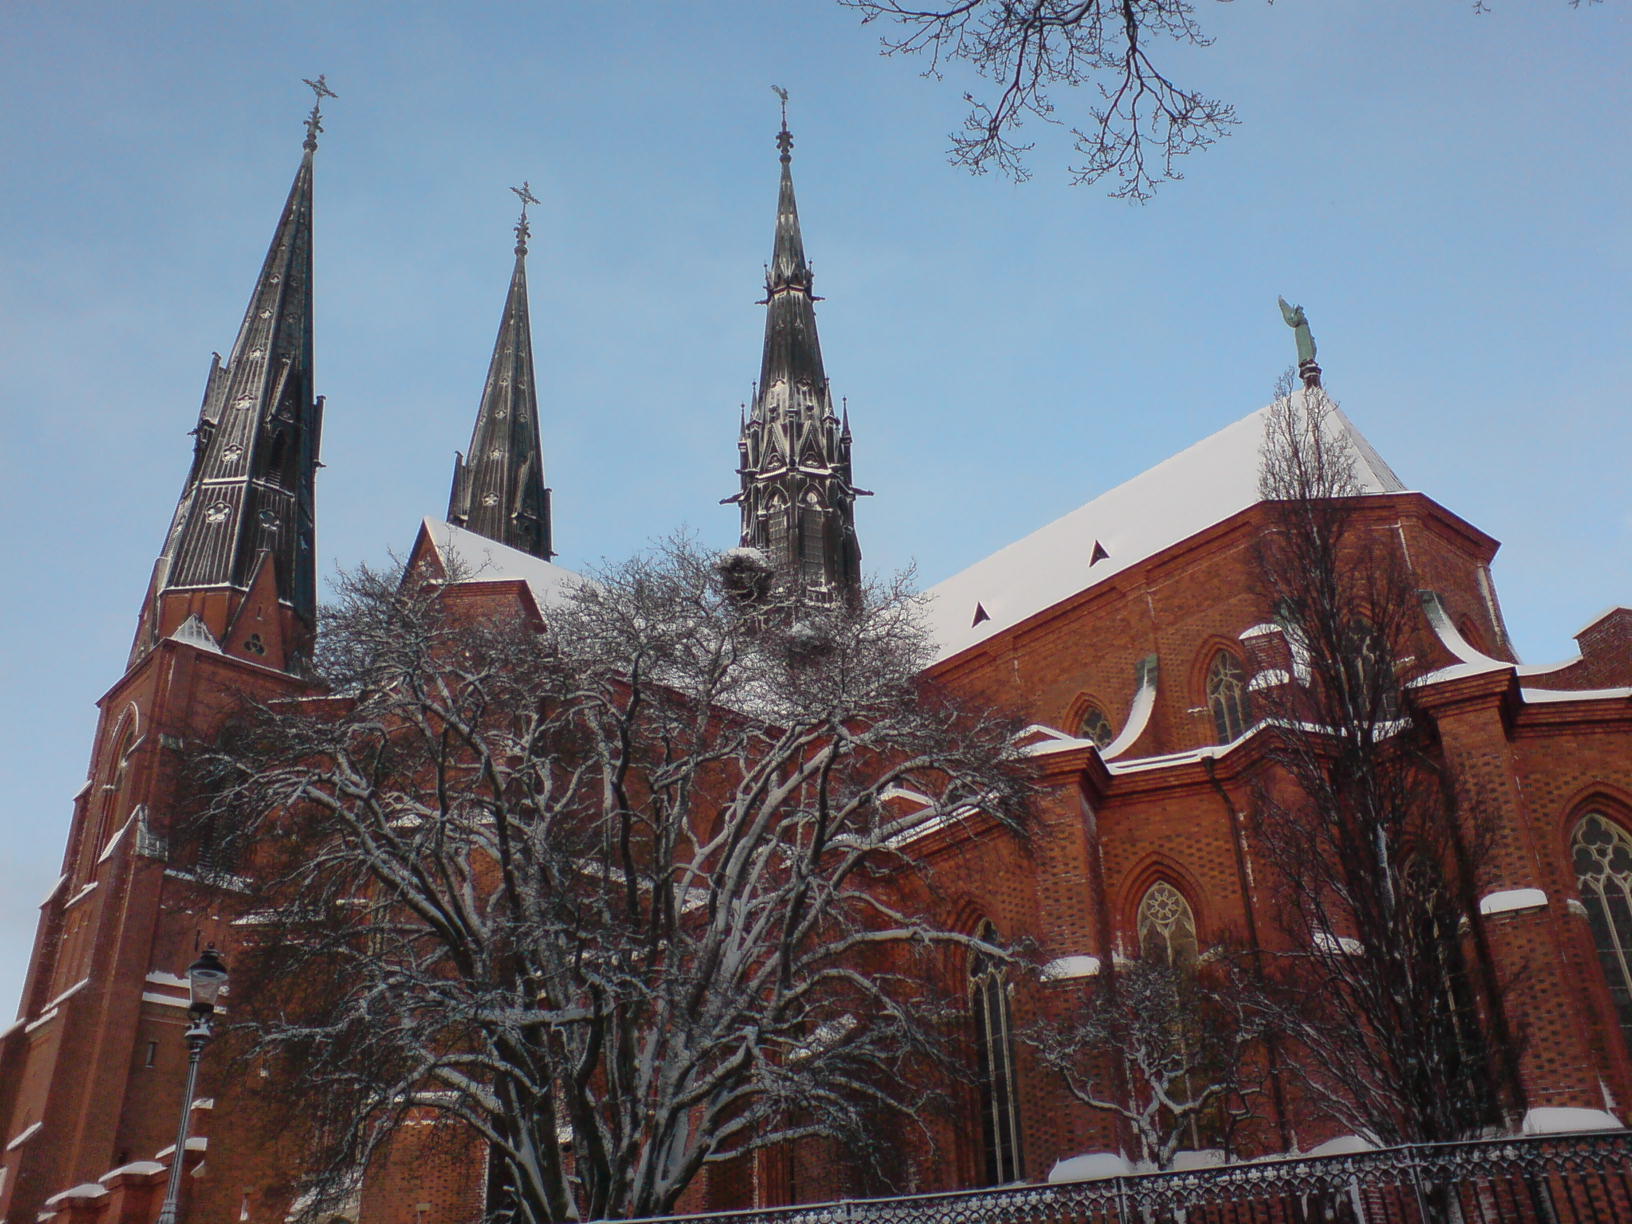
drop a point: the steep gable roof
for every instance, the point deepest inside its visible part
(479, 559)
(1180, 496)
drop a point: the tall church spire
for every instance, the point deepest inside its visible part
(797, 500)
(498, 488)
(247, 506)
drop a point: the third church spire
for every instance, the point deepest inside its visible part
(498, 487)
(797, 501)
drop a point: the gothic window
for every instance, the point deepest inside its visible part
(994, 1050)
(1095, 726)
(811, 548)
(1603, 865)
(1227, 697)
(1166, 926)
(113, 791)
(776, 532)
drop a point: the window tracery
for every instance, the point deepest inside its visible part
(994, 1049)
(1602, 853)
(1166, 926)
(1227, 697)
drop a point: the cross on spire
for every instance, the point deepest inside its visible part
(523, 232)
(784, 138)
(314, 121)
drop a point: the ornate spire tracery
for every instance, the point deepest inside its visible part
(498, 486)
(251, 489)
(797, 500)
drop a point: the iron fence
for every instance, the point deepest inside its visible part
(1554, 1179)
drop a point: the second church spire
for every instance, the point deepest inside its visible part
(498, 486)
(797, 501)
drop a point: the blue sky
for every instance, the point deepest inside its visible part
(1445, 193)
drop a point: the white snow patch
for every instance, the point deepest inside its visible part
(1473, 661)
(80, 895)
(1209, 482)
(1264, 630)
(113, 842)
(43, 1018)
(1603, 694)
(1269, 678)
(160, 978)
(24, 1136)
(195, 1143)
(1144, 701)
(487, 560)
(69, 993)
(1343, 1145)
(1563, 1119)
(85, 1190)
(1328, 942)
(194, 632)
(1066, 968)
(1509, 900)
(139, 1168)
(57, 887)
(1090, 1166)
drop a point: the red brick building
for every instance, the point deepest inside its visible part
(1129, 631)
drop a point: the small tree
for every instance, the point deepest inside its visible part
(1373, 853)
(1173, 1054)
(614, 894)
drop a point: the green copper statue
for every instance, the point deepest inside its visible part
(1299, 322)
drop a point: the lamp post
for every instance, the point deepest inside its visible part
(205, 978)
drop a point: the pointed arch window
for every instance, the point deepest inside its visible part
(994, 1050)
(1602, 852)
(1166, 926)
(776, 532)
(1227, 697)
(812, 558)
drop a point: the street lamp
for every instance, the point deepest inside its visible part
(205, 979)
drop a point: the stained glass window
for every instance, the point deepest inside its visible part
(1227, 697)
(1167, 926)
(1603, 865)
(994, 1048)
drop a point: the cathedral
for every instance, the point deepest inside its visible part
(1127, 632)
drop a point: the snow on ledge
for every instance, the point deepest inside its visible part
(85, 1190)
(1512, 899)
(1090, 1166)
(24, 1136)
(1269, 678)
(1066, 968)
(1537, 696)
(1562, 1119)
(1343, 1145)
(137, 1168)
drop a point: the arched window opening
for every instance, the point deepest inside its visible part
(1602, 851)
(113, 791)
(812, 553)
(1227, 697)
(776, 533)
(994, 1051)
(1166, 926)
(1095, 726)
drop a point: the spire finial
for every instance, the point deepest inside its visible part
(314, 121)
(784, 138)
(523, 231)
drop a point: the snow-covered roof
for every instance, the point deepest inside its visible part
(1207, 483)
(485, 560)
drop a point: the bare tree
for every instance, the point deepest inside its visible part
(1143, 121)
(1175, 1053)
(1372, 851)
(614, 894)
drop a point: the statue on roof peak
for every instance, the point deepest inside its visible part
(1299, 322)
